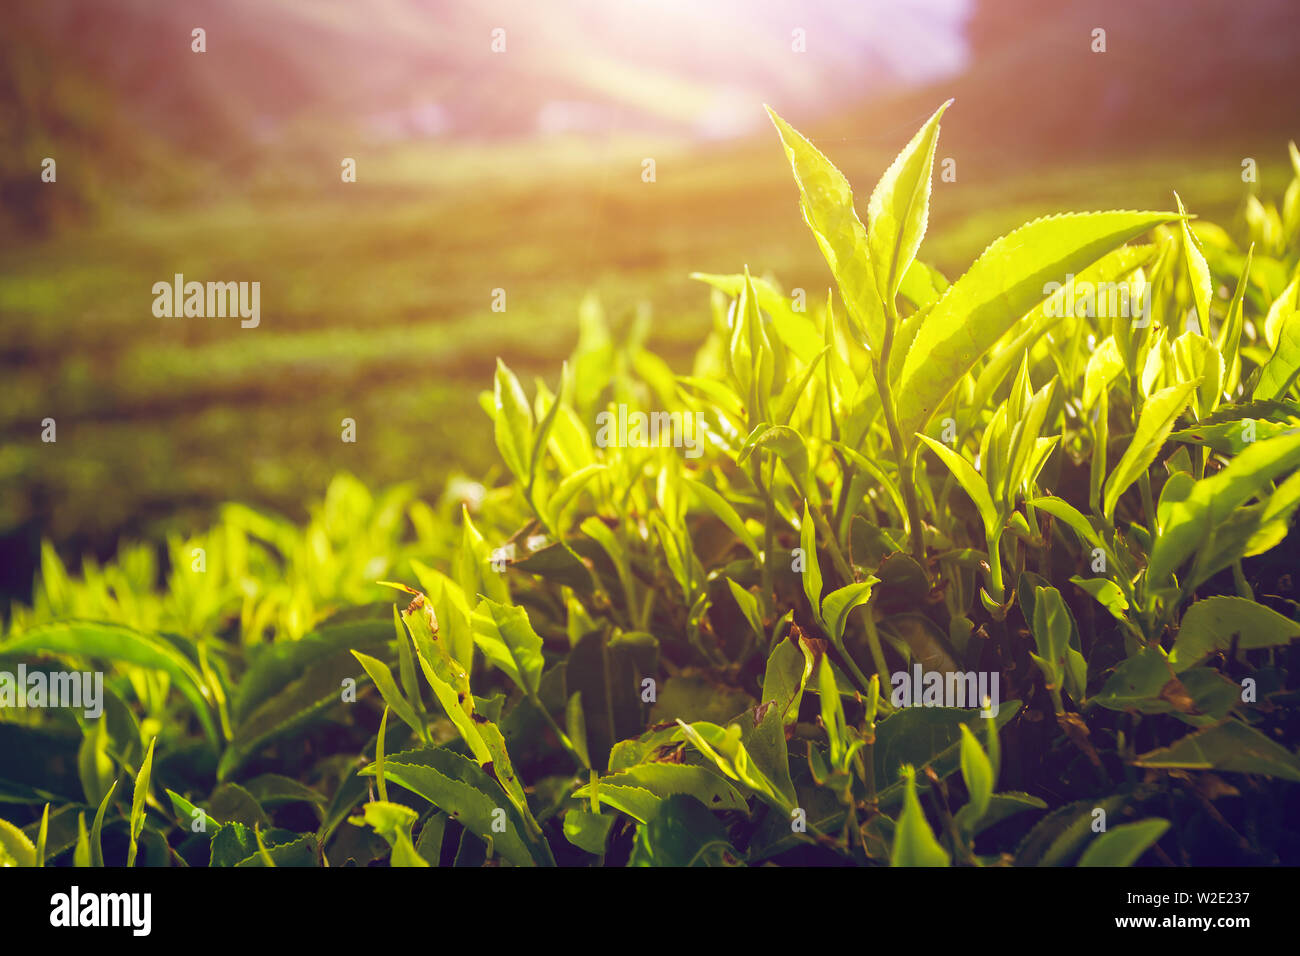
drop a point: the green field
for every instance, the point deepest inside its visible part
(376, 306)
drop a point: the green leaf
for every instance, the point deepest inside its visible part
(827, 204)
(588, 831)
(1211, 625)
(1229, 341)
(833, 716)
(292, 684)
(1214, 499)
(513, 421)
(383, 679)
(273, 666)
(94, 765)
(977, 771)
(1062, 510)
(1283, 307)
(1279, 373)
(575, 722)
(899, 209)
(971, 481)
(138, 800)
(1005, 282)
(921, 736)
(231, 803)
(636, 802)
(1196, 359)
(683, 834)
(1106, 593)
(748, 605)
(1154, 425)
(1104, 366)
(429, 845)
(280, 848)
(544, 429)
(788, 669)
(812, 572)
(1123, 845)
(567, 490)
(661, 781)
(1001, 807)
(508, 640)
(795, 329)
(608, 673)
(784, 442)
(97, 829)
(1052, 626)
(15, 848)
(1056, 838)
(81, 856)
(1198, 272)
(1137, 684)
(1229, 438)
(914, 842)
(393, 822)
(470, 796)
(839, 603)
(724, 512)
(42, 836)
(1232, 747)
(729, 754)
(115, 642)
(271, 789)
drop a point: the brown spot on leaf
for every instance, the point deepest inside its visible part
(1176, 693)
(1077, 731)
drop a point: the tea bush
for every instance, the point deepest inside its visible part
(984, 572)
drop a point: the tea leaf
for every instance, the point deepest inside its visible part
(138, 801)
(921, 736)
(971, 481)
(1283, 366)
(97, 829)
(115, 642)
(1198, 272)
(1005, 282)
(748, 605)
(15, 848)
(387, 687)
(812, 573)
(978, 774)
(839, 603)
(513, 422)
(468, 795)
(900, 208)
(1154, 425)
(1123, 845)
(1212, 500)
(914, 842)
(588, 831)
(683, 834)
(1232, 747)
(508, 640)
(827, 204)
(1212, 624)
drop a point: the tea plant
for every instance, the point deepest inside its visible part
(980, 572)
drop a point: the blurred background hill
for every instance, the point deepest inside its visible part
(518, 170)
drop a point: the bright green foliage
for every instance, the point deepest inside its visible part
(1072, 471)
